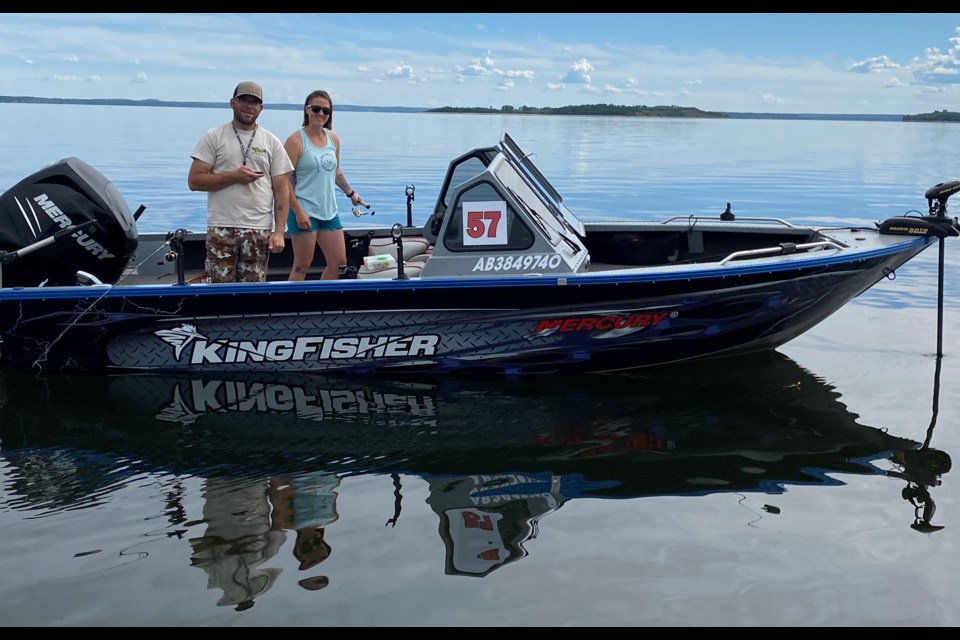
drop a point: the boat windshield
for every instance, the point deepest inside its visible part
(523, 164)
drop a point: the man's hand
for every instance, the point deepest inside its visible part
(276, 241)
(246, 175)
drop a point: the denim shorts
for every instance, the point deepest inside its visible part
(315, 225)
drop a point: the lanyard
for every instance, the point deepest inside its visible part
(249, 143)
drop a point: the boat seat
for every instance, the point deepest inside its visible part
(416, 252)
(412, 246)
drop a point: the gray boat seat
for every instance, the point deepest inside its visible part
(416, 251)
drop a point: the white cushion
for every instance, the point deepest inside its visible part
(412, 246)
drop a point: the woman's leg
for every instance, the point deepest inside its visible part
(303, 247)
(334, 252)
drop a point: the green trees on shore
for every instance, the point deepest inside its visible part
(639, 111)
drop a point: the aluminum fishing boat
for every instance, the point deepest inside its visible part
(502, 278)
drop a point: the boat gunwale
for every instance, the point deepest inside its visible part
(618, 276)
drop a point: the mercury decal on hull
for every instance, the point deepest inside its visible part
(202, 350)
(619, 323)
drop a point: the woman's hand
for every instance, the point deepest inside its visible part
(303, 220)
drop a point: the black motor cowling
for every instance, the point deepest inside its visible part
(63, 195)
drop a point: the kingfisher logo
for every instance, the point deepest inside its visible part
(193, 399)
(198, 349)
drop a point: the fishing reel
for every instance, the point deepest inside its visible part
(357, 212)
(174, 240)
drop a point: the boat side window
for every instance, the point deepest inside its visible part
(519, 236)
(460, 171)
(467, 169)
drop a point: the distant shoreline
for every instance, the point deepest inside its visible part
(937, 116)
(121, 102)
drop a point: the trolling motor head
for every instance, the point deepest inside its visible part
(936, 224)
(941, 192)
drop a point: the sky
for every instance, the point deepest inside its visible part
(858, 63)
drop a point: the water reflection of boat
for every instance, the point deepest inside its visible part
(498, 454)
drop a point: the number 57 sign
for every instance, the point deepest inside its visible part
(484, 223)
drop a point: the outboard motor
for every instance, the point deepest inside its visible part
(65, 194)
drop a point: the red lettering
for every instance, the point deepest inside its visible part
(604, 323)
(586, 324)
(547, 325)
(601, 323)
(492, 555)
(473, 520)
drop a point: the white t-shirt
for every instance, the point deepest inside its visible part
(249, 206)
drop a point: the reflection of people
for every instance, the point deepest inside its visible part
(307, 502)
(239, 538)
(315, 151)
(245, 172)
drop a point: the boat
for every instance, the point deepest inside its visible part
(502, 278)
(496, 459)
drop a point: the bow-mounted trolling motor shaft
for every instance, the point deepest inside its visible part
(936, 224)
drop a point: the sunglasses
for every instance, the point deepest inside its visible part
(317, 109)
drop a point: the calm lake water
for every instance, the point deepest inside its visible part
(808, 487)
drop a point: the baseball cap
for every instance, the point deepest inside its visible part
(248, 89)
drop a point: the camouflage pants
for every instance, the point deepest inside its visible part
(237, 255)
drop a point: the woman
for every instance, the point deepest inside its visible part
(315, 152)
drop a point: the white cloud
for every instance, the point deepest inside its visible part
(401, 71)
(579, 72)
(140, 77)
(528, 75)
(877, 64)
(71, 58)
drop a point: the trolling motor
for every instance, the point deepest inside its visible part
(936, 224)
(941, 192)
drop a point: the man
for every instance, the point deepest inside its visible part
(246, 173)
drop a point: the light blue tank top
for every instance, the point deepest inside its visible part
(316, 178)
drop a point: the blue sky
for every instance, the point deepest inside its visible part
(787, 63)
